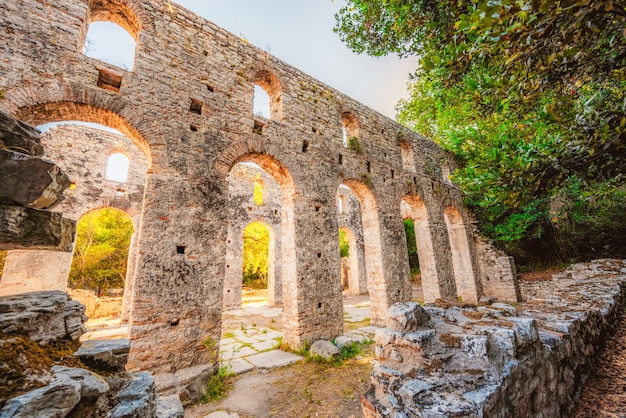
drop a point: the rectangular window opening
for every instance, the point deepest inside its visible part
(109, 81)
(258, 127)
(196, 106)
(180, 249)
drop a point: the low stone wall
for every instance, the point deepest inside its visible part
(529, 360)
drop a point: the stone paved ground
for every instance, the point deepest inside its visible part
(604, 394)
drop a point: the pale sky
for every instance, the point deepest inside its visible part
(300, 33)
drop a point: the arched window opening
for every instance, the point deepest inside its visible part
(268, 96)
(406, 151)
(101, 251)
(109, 42)
(117, 167)
(350, 131)
(342, 204)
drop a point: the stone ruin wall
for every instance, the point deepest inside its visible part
(499, 360)
(82, 153)
(187, 105)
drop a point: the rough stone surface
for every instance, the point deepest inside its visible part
(324, 349)
(349, 339)
(188, 106)
(25, 228)
(20, 137)
(42, 316)
(406, 316)
(55, 400)
(137, 399)
(169, 407)
(525, 361)
(274, 358)
(92, 385)
(104, 355)
(30, 181)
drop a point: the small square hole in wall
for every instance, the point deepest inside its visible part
(174, 322)
(319, 255)
(314, 129)
(196, 106)
(305, 145)
(258, 127)
(415, 180)
(180, 249)
(392, 173)
(317, 208)
(109, 81)
(320, 305)
(210, 88)
(369, 166)
(340, 159)
(194, 128)
(275, 212)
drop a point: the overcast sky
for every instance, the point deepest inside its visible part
(298, 32)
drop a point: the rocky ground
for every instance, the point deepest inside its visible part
(604, 394)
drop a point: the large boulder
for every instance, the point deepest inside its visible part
(54, 400)
(137, 399)
(104, 355)
(18, 136)
(324, 349)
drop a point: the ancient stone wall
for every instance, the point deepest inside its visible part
(498, 360)
(188, 106)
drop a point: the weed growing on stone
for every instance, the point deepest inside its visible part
(229, 334)
(218, 385)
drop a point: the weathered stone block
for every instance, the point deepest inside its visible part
(30, 181)
(406, 316)
(104, 355)
(324, 349)
(24, 228)
(42, 316)
(137, 399)
(55, 400)
(19, 137)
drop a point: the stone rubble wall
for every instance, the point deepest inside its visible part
(188, 106)
(103, 390)
(498, 360)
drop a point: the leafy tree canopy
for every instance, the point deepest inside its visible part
(530, 95)
(101, 250)
(256, 240)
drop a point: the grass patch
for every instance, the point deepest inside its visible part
(218, 385)
(229, 334)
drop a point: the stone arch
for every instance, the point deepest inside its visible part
(376, 285)
(63, 103)
(268, 81)
(462, 262)
(127, 14)
(413, 207)
(250, 152)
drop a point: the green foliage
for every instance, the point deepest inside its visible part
(101, 251)
(411, 245)
(256, 239)
(529, 95)
(218, 385)
(344, 244)
(354, 144)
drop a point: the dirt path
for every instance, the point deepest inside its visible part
(604, 394)
(302, 390)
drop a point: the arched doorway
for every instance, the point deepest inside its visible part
(414, 209)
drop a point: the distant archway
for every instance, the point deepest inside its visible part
(412, 207)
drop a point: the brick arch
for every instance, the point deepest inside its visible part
(128, 14)
(252, 148)
(55, 103)
(121, 205)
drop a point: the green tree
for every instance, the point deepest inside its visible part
(344, 244)
(256, 240)
(530, 95)
(101, 250)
